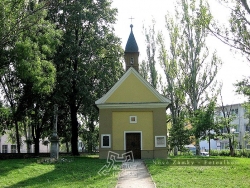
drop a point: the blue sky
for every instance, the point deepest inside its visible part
(234, 67)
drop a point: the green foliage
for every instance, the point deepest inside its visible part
(236, 34)
(189, 68)
(198, 66)
(243, 87)
(203, 121)
(226, 152)
(179, 134)
(17, 17)
(28, 44)
(88, 60)
(148, 67)
(5, 118)
(34, 51)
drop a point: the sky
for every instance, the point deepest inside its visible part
(235, 66)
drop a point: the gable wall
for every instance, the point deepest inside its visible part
(132, 90)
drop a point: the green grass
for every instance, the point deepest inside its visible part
(83, 172)
(165, 175)
(72, 172)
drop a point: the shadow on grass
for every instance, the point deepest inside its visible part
(8, 165)
(72, 172)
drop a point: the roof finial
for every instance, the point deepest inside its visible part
(131, 25)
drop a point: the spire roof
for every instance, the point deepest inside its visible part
(131, 45)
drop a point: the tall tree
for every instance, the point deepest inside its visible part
(88, 56)
(198, 66)
(169, 62)
(148, 67)
(179, 135)
(27, 68)
(15, 18)
(189, 67)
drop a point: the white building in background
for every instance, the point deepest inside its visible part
(7, 147)
(239, 128)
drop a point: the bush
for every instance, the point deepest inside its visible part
(226, 152)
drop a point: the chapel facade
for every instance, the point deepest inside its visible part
(132, 114)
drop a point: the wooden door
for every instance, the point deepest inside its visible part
(133, 143)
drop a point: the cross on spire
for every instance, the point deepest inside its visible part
(131, 19)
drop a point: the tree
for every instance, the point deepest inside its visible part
(5, 118)
(225, 122)
(12, 89)
(179, 133)
(173, 89)
(41, 119)
(189, 67)
(88, 55)
(148, 67)
(16, 17)
(27, 69)
(197, 65)
(236, 34)
(204, 122)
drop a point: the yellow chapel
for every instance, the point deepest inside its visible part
(132, 114)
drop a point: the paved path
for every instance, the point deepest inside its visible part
(134, 175)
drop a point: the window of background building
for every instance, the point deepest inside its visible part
(223, 145)
(13, 148)
(4, 148)
(247, 127)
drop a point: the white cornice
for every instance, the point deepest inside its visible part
(132, 105)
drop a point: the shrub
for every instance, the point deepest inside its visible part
(226, 152)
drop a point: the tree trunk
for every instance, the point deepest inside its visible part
(73, 110)
(29, 141)
(67, 146)
(231, 148)
(175, 150)
(74, 130)
(17, 137)
(209, 144)
(197, 146)
(36, 136)
(36, 140)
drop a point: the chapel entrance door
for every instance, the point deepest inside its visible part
(133, 143)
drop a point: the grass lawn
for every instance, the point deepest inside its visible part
(165, 175)
(83, 172)
(69, 172)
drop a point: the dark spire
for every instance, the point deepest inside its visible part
(131, 45)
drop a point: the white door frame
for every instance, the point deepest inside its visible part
(131, 132)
